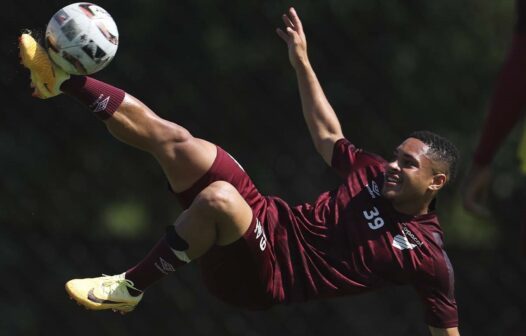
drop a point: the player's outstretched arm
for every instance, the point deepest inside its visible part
(323, 124)
(444, 332)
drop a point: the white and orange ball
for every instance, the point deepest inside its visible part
(82, 38)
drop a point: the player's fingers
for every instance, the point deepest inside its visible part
(293, 36)
(295, 18)
(287, 21)
(283, 35)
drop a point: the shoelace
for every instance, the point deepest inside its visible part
(111, 283)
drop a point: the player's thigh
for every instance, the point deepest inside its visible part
(184, 162)
(232, 214)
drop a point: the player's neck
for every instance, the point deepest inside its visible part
(412, 208)
(416, 205)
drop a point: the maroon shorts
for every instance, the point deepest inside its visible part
(237, 273)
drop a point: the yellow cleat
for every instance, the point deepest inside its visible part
(46, 77)
(105, 292)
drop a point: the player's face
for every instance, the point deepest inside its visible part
(410, 176)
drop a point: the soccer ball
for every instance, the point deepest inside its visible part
(82, 38)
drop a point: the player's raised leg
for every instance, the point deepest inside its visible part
(183, 158)
(219, 215)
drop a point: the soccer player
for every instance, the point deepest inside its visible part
(506, 109)
(377, 229)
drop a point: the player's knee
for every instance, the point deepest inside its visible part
(219, 197)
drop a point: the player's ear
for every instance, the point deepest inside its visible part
(439, 181)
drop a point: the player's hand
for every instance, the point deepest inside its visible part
(476, 190)
(294, 37)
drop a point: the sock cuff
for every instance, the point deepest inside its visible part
(101, 98)
(74, 83)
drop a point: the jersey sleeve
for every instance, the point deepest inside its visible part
(437, 293)
(346, 158)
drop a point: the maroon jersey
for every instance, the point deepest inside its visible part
(352, 240)
(349, 241)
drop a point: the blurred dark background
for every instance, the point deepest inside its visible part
(74, 202)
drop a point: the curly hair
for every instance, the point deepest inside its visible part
(440, 149)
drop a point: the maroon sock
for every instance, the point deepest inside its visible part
(160, 262)
(101, 98)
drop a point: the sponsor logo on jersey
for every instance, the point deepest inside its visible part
(411, 235)
(402, 243)
(373, 190)
(260, 235)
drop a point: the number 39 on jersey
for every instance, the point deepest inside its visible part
(373, 218)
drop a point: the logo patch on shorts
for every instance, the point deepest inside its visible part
(260, 235)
